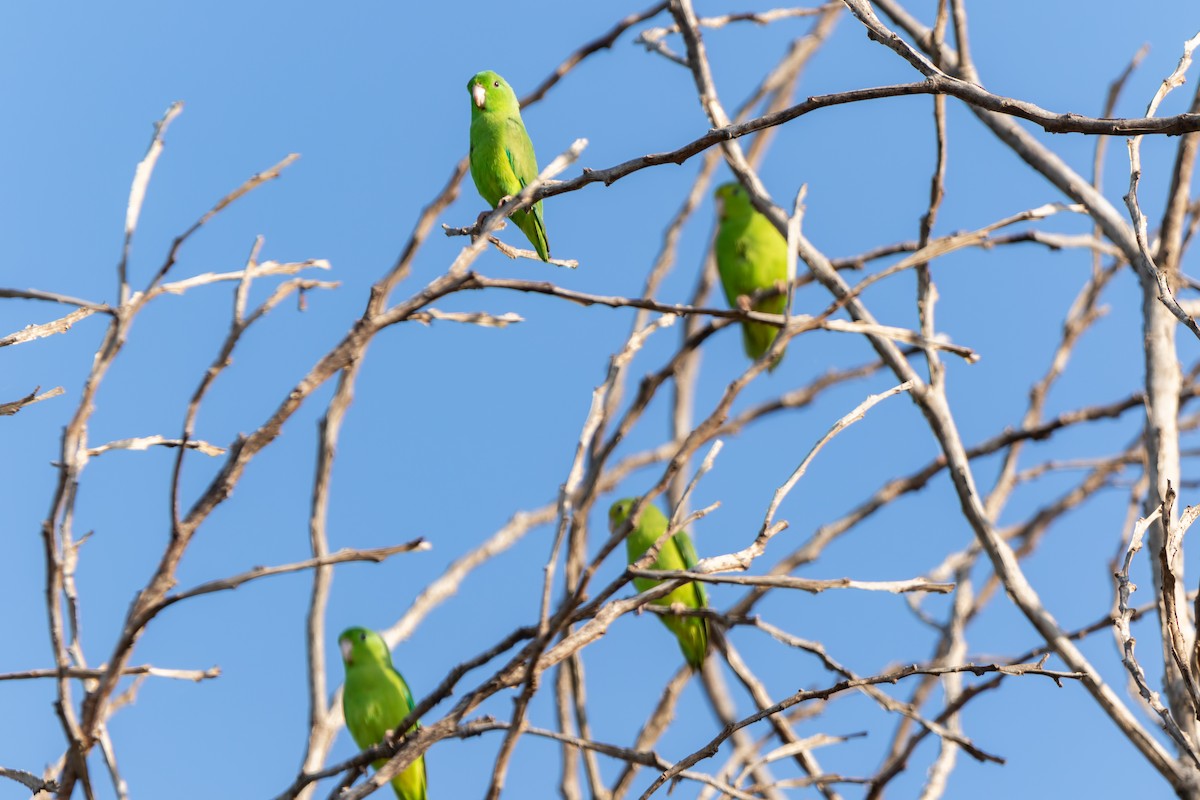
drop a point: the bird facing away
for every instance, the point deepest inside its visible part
(677, 553)
(751, 256)
(375, 699)
(502, 158)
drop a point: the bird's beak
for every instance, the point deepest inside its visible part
(480, 94)
(346, 646)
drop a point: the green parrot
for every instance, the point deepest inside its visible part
(751, 255)
(375, 699)
(502, 158)
(677, 553)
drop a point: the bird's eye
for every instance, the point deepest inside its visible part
(362, 637)
(496, 84)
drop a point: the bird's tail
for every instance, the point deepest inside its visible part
(757, 339)
(410, 784)
(692, 633)
(535, 230)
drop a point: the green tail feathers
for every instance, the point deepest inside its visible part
(692, 633)
(534, 228)
(757, 339)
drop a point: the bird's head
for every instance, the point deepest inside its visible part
(619, 512)
(361, 645)
(730, 196)
(490, 92)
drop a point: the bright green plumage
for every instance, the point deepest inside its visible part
(502, 159)
(677, 553)
(751, 256)
(375, 699)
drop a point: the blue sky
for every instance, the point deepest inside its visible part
(454, 428)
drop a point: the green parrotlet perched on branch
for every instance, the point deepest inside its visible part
(751, 256)
(502, 158)
(677, 553)
(375, 700)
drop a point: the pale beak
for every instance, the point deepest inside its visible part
(346, 646)
(480, 94)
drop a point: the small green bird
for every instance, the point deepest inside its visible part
(502, 158)
(751, 256)
(677, 553)
(375, 699)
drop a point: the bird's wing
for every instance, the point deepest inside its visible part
(406, 698)
(519, 150)
(682, 543)
(523, 161)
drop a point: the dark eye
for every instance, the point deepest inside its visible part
(362, 637)
(496, 84)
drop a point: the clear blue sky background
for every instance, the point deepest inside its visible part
(454, 428)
